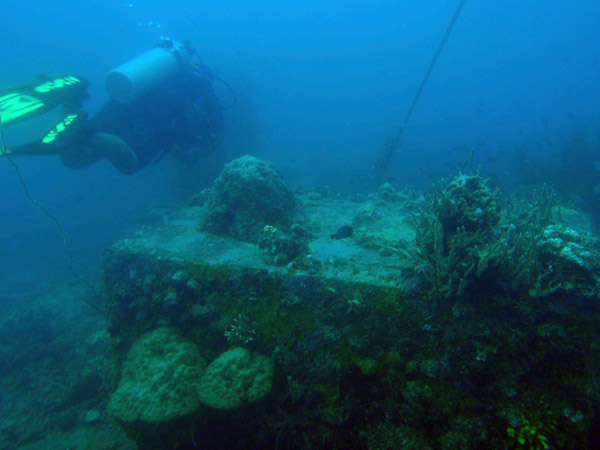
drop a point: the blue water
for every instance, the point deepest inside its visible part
(320, 85)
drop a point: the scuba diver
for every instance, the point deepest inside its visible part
(160, 103)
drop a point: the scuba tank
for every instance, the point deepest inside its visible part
(139, 75)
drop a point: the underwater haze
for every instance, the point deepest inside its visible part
(315, 87)
(320, 86)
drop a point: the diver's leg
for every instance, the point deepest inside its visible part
(98, 146)
(32, 148)
(116, 151)
(67, 134)
(84, 152)
(78, 156)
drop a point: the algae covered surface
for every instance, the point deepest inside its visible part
(457, 319)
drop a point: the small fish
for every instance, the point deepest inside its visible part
(343, 232)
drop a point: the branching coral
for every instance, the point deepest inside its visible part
(466, 245)
(453, 242)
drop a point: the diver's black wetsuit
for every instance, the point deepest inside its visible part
(182, 118)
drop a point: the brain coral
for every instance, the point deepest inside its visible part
(236, 378)
(158, 380)
(249, 194)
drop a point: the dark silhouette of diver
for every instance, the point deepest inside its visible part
(161, 104)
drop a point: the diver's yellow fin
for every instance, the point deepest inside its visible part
(21, 102)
